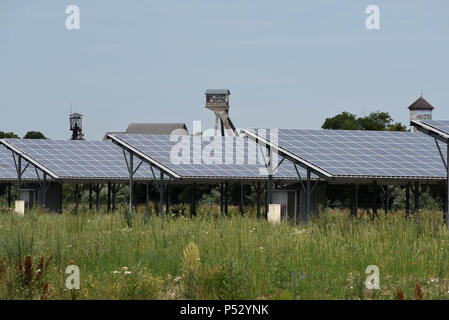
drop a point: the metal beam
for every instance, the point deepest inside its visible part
(167, 199)
(447, 186)
(109, 197)
(76, 197)
(9, 195)
(258, 191)
(44, 190)
(308, 195)
(90, 196)
(161, 194)
(19, 174)
(147, 203)
(416, 195)
(131, 176)
(374, 200)
(407, 200)
(441, 154)
(226, 198)
(431, 131)
(241, 198)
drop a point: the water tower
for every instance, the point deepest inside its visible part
(76, 126)
(420, 110)
(217, 100)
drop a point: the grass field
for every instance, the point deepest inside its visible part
(230, 258)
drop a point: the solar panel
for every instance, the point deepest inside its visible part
(201, 157)
(79, 159)
(8, 170)
(364, 153)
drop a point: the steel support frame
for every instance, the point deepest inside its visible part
(44, 183)
(258, 189)
(447, 185)
(416, 195)
(226, 198)
(354, 199)
(374, 200)
(407, 200)
(308, 190)
(241, 198)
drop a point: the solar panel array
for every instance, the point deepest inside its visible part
(79, 159)
(214, 157)
(441, 125)
(339, 152)
(364, 153)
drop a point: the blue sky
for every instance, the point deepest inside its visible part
(288, 64)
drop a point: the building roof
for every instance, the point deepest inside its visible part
(218, 91)
(421, 104)
(157, 128)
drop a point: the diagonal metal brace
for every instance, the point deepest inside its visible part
(441, 154)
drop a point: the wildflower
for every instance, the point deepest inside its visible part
(261, 248)
(418, 292)
(125, 268)
(127, 272)
(72, 261)
(400, 295)
(38, 270)
(115, 272)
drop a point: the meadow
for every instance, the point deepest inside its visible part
(211, 257)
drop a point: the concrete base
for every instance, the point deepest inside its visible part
(20, 207)
(274, 213)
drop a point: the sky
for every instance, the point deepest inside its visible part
(288, 64)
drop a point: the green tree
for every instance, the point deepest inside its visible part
(34, 135)
(5, 135)
(377, 120)
(342, 121)
(397, 126)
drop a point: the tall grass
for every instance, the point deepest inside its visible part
(241, 257)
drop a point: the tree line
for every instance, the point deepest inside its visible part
(28, 135)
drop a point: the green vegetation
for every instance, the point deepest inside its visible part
(5, 135)
(34, 135)
(210, 257)
(380, 121)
